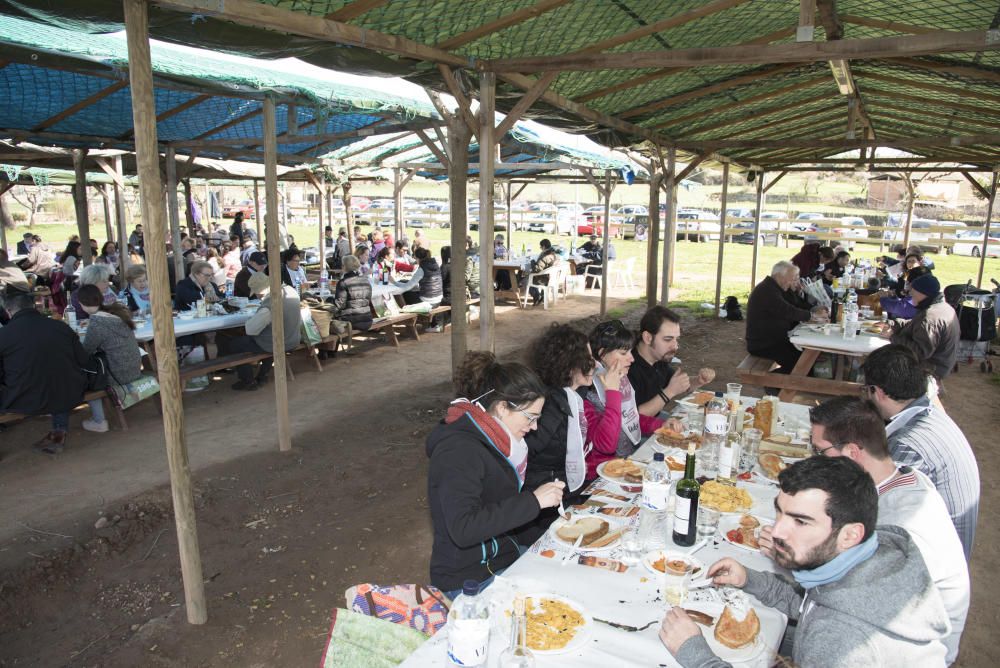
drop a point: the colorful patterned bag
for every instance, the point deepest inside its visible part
(422, 608)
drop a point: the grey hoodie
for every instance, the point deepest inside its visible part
(885, 612)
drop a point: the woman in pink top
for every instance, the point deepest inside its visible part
(615, 427)
(231, 260)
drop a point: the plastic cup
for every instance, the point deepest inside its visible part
(750, 448)
(708, 522)
(631, 548)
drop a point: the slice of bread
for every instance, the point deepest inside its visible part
(735, 634)
(591, 528)
(772, 464)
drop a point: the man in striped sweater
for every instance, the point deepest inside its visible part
(851, 427)
(923, 436)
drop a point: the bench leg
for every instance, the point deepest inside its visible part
(801, 369)
(315, 358)
(112, 407)
(390, 332)
(413, 330)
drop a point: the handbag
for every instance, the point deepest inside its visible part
(97, 371)
(422, 608)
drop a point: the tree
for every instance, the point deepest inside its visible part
(6, 221)
(30, 197)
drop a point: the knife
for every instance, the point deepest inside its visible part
(625, 627)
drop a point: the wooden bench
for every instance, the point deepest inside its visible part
(425, 319)
(755, 370)
(109, 407)
(388, 324)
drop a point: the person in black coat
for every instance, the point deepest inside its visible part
(776, 306)
(41, 367)
(256, 263)
(353, 296)
(475, 482)
(198, 285)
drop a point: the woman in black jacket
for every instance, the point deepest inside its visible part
(353, 296)
(476, 476)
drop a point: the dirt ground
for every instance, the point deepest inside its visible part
(283, 535)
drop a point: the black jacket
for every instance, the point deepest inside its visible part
(353, 299)
(475, 504)
(771, 312)
(547, 443)
(188, 293)
(41, 362)
(430, 285)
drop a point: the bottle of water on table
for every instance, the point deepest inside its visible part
(653, 514)
(229, 289)
(716, 428)
(469, 627)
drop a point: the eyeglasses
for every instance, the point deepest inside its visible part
(204, 275)
(531, 417)
(868, 390)
(820, 451)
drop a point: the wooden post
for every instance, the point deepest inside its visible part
(653, 238)
(670, 225)
(487, 162)
(188, 203)
(397, 204)
(174, 215)
(285, 213)
(348, 211)
(329, 221)
(80, 202)
(147, 158)
(607, 242)
(510, 218)
(756, 229)
(986, 230)
(123, 232)
(459, 134)
(909, 208)
(722, 235)
(274, 262)
(109, 228)
(257, 213)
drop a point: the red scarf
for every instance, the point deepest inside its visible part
(485, 421)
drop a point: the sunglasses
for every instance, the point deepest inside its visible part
(610, 326)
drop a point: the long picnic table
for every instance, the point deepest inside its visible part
(633, 597)
(813, 339)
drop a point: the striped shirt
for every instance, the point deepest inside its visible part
(931, 442)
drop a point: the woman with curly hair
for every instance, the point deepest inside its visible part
(614, 425)
(475, 479)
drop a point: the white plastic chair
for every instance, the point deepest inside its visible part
(546, 289)
(622, 272)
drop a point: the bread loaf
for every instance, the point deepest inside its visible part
(591, 528)
(735, 634)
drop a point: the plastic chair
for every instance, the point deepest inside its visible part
(546, 288)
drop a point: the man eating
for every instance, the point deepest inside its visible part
(861, 598)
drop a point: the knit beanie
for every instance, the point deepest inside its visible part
(926, 285)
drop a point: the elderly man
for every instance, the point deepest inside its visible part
(923, 436)
(933, 333)
(775, 306)
(259, 337)
(861, 597)
(852, 427)
(41, 367)
(40, 260)
(198, 285)
(24, 245)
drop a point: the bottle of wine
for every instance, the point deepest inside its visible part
(686, 506)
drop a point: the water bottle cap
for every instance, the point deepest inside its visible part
(657, 456)
(470, 588)
(718, 394)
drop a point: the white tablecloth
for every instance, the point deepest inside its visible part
(812, 336)
(144, 332)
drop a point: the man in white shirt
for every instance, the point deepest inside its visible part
(851, 427)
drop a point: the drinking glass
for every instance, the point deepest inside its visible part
(675, 588)
(708, 522)
(733, 391)
(695, 420)
(631, 548)
(751, 445)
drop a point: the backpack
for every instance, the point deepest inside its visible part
(97, 371)
(733, 309)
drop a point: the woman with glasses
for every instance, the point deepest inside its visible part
(475, 481)
(614, 425)
(198, 285)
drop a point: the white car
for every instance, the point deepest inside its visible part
(970, 243)
(633, 210)
(857, 230)
(697, 225)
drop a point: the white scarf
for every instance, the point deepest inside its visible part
(518, 452)
(576, 451)
(630, 411)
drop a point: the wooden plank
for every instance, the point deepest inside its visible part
(231, 123)
(807, 21)
(987, 110)
(933, 113)
(438, 153)
(80, 199)
(370, 130)
(929, 125)
(607, 243)
(758, 114)
(653, 245)
(937, 88)
(173, 214)
(965, 71)
(758, 208)
(986, 232)
(895, 26)
(691, 167)
(910, 142)
(387, 140)
(660, 74)
(502, 23)
(487, 156)
(82, 104)
(458, 156)
(814, 113)
(670, 226)
(977, 185)
(940, 41)
(169, 113)
(464, 106)
(775, 180)
(147, 159)
(528, 99)
(723, 201)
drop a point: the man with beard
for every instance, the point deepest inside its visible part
(861, 598)
(655, 382)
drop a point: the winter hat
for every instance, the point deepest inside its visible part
(926, 285)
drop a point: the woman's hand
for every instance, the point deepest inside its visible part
(613, 375)
(550, 494)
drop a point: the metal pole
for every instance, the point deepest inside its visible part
(986, 231)
(147, 159)
(607, 242)
(756, 229)
(487, 162)
(669, 227)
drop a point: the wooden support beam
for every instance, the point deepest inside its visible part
(691, 167)
(109, 228)
(231, 123)
(147, 159)
(371, 130)
(985, 110)
(274, 261)
(80, 200)
(723, 201)
(758, 209)
(173, 215)
(653, 244)
(429, 143)
(807, 22)
(961, 70)
(82, 104)
(589, 175)
(756, 115)
(607, 243)
(670, 226)
(704, 91)
(528, 99)
(813, 113)
(895, 26)
(173, 111)
(318, 185)
(986, 231)
(916, 142)
(775, 180)
(353, 10)
(941, 41)
(950, 116)
(663, 73)
(461, 99)
(258, 218)
(458, 156)
(980, 188)
(910, 201)
(502, 23)
(487, 156)
(927, 124)
(936, 88)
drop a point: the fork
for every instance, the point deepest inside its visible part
(563, 513)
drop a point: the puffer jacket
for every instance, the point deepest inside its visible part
(353, 299)
(932, 334)
(431, 287)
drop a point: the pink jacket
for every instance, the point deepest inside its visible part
(603, 429)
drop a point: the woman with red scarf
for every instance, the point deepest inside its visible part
(475, 480)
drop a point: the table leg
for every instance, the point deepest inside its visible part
(150, 354)
(802, 369)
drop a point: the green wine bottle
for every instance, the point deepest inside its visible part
(686, 507)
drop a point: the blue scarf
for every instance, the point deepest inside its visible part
(839, 566)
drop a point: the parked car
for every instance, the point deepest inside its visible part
(696, 225)
(360, 203)
(633, 210)
(768, 229)
(742, 214)
(857, 230)
(970, 243)
(802, 224)
(543, 207)
(244, 206)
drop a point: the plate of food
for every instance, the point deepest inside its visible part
(732, 631)
(667, 438)
(742, 531)
(697, 399)
(598, 533)
(556, 624)
(725, 498)
(622, 472)
(658, 562)
(770, 465)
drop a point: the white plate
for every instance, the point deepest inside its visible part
(560, 522)
(617, 481)
(730, 522)
(582, 635)
(741, 655)
(688, 401)
(655, 555)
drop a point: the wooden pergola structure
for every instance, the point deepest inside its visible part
(757, 87)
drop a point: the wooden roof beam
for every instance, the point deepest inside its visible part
(82, 104)
(972, 109)
(353, 10)
(754, 115)
(942, 41)
(844, 145)
(173, 111)
(903, 114)
(359, 151)
(933, 113)
(885, 25)
(528, 99)
(822, 112)
(502, 23)
(950, 68)
(231, 123)
(937, 88)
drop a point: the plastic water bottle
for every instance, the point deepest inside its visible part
(468, 627)
(229, 289)
(654, 516)
(714, 437)
(324, 282)
(71, 317)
